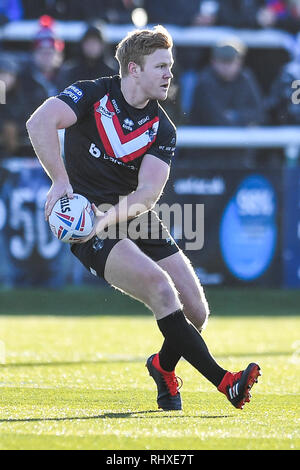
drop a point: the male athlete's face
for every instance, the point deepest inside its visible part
(156, 75)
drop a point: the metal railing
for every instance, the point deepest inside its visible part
(72, 31)
(285, 137)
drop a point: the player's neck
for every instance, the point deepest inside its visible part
(133, 94)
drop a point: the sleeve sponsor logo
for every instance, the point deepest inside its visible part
(73, 92)
(164, 148)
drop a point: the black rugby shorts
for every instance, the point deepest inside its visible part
(148, 232)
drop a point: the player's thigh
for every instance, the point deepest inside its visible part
(189, 288)
(130, 270)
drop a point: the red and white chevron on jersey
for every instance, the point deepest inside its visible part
(125, 147)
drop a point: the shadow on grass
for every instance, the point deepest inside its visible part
(129, 414)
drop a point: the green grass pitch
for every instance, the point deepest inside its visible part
(74, 375)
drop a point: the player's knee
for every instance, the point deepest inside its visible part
(198, 315)
(161, 290)
(202, 317)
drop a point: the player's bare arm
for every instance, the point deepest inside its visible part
(153, 175)
(42, 128)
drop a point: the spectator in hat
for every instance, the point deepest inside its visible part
(13, 105)
(91, 62)
(41, 76)
(227, 94)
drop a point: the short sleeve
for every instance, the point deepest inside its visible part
(81, 95)
(165, 143)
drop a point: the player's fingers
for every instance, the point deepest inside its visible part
(70, 193)
(96, 210)
(48, 208)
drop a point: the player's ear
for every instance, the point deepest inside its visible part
(133, 69)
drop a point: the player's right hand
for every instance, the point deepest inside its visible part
(99, 224)
(58, 189)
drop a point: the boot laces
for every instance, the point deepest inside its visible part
(173, 382)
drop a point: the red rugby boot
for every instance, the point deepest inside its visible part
(237, 385)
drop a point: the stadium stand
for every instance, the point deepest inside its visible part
(268, 30)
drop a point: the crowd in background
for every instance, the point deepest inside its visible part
(226, 85)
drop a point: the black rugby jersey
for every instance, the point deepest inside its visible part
(105, 148)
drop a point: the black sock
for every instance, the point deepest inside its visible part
(169, 355)
(186, 340)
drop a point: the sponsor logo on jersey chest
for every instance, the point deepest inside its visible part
(104, 111)
(143, 120)
(128, 124)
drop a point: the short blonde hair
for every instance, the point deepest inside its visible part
(140, 43)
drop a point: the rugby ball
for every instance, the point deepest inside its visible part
(71, 219)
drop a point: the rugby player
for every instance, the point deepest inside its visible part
(118, 146)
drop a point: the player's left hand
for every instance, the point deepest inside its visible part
(99, 224)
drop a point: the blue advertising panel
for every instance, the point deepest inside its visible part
(248, 230)
(241, 224)
(291, 228)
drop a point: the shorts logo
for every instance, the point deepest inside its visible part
(73, 92)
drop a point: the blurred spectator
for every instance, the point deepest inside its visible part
(13, 111)
(90, 64)
(227, 94)
(283, 101)
(41, 76)
(240, 14)
(280, 14)
(10, 10)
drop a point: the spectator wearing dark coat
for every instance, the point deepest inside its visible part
(90, 63)
(227, 94)
(41, 76)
